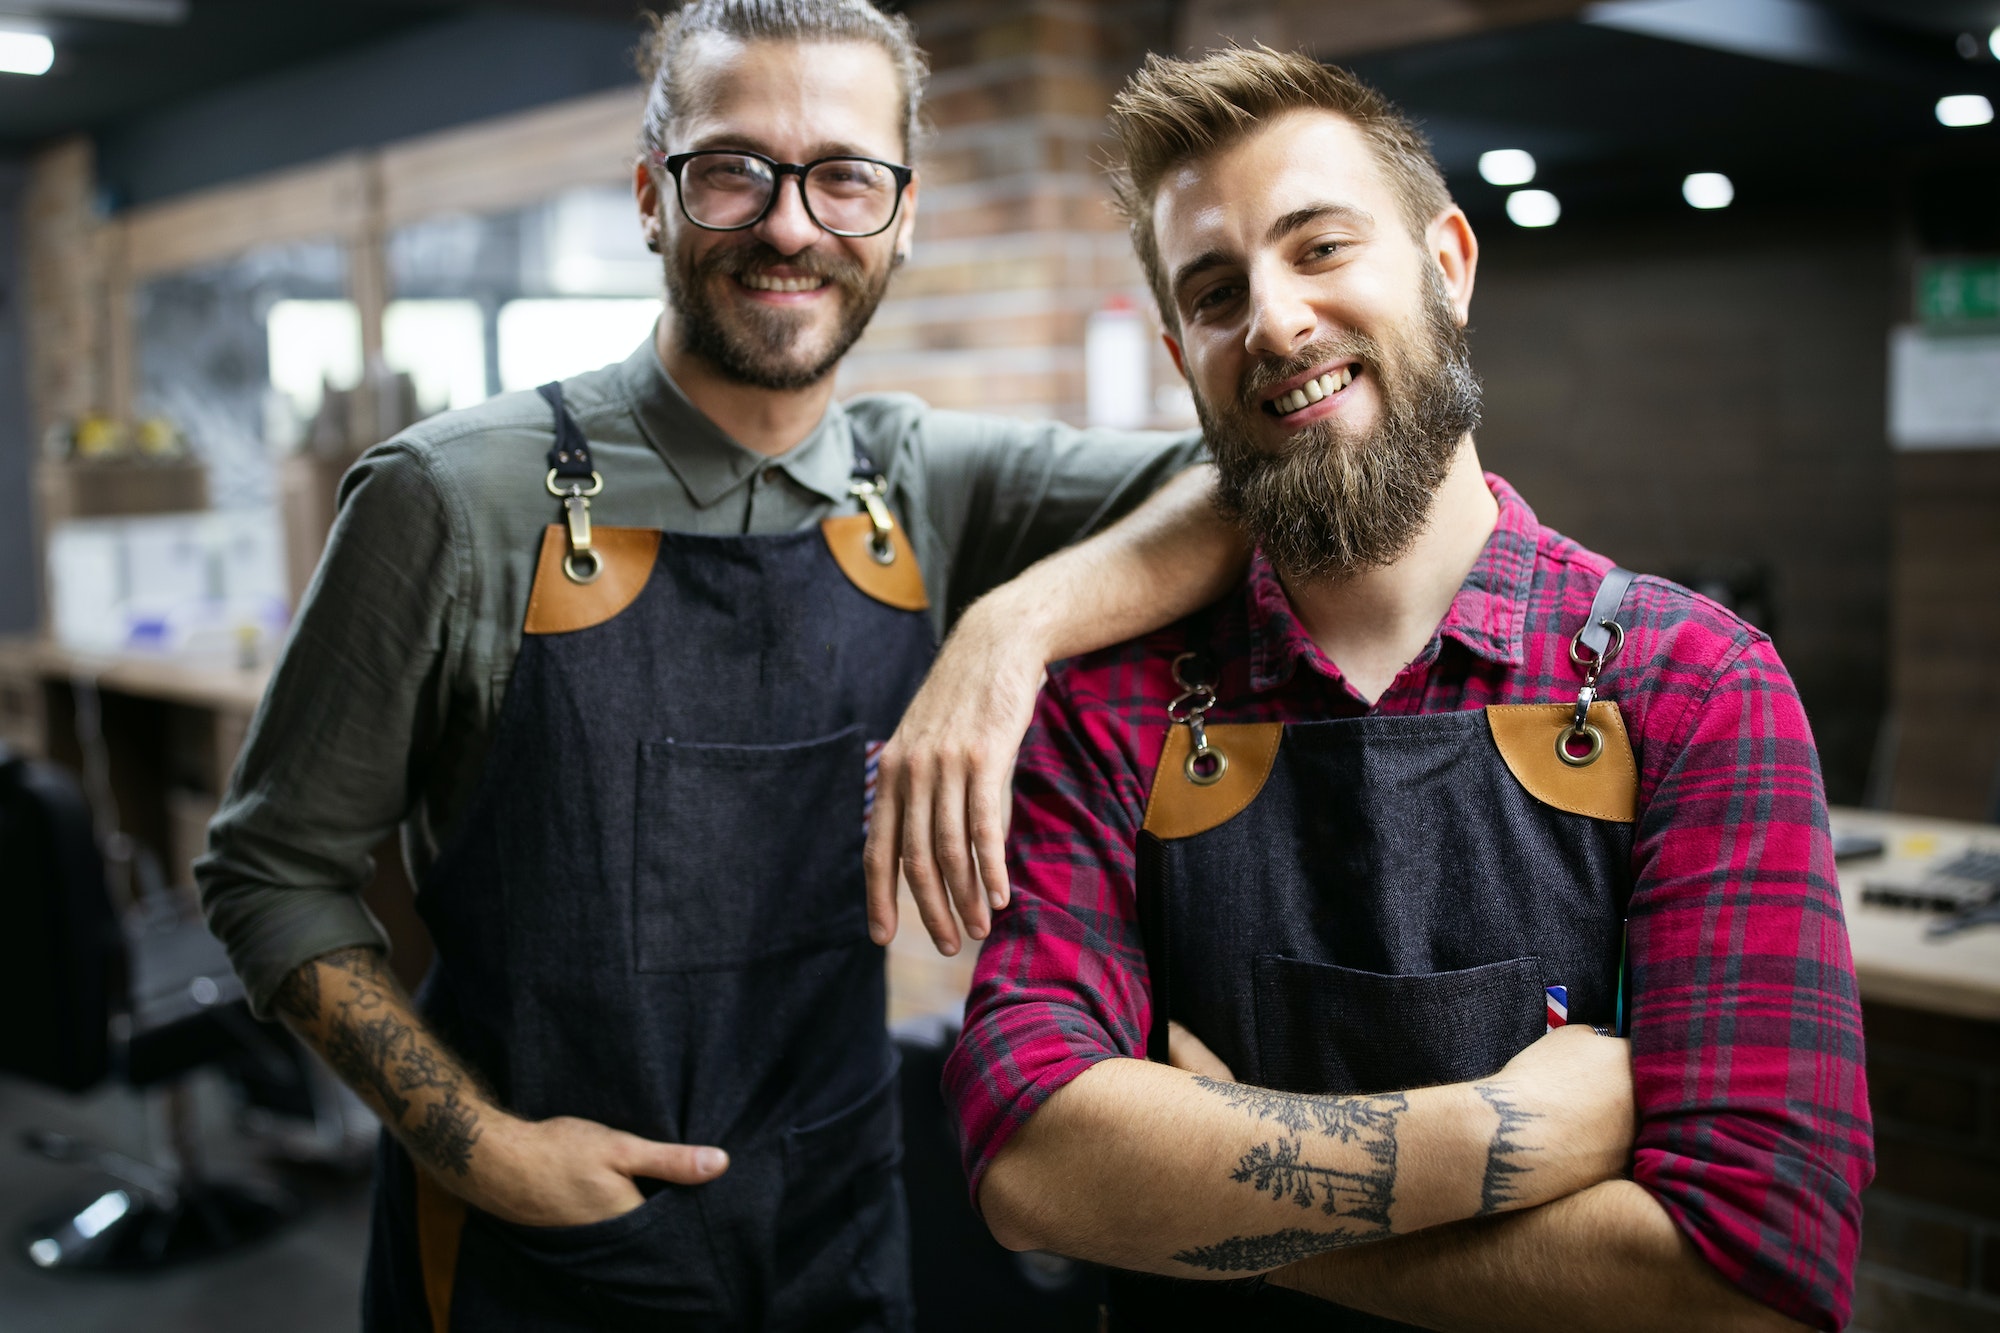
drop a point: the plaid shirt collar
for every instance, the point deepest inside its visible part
(1488, 616)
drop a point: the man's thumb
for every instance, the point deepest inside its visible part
(681, 1163)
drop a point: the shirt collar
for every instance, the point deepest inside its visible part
(1489, 614)
(706, 460)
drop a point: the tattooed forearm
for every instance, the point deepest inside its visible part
(1261, 1254)
(349, 1005)
(1504, 1155)
(446, 1136)
(1343, 1118)
(1361, 1187)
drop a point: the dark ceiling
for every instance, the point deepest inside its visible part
(107, 71)
(1825, 102)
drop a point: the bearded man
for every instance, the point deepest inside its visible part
(1378, 857)
(617, 657)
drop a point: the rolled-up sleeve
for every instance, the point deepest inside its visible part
(329, 765)
(1061, 983)
(1747, 1050)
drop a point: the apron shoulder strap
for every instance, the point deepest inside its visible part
(569, 456)
(1598, 630)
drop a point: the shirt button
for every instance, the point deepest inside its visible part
(768, 475)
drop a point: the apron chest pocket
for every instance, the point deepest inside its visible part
(747, 852)
(1328, 1029)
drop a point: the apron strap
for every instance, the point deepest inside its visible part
(569, 456)
(1603, 623)
(570, 467)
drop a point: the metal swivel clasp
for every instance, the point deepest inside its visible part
(582, 563)
(1204, 765)
(1580, 726)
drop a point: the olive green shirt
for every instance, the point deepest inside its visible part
(384, 700)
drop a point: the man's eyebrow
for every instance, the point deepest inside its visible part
(829, 148)
(1199, 265)
(1293, 221)
(1312, 213)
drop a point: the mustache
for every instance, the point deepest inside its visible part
(753, 255)
(1265, 374)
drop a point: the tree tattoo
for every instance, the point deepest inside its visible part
(1362, 1192)
(1261, 1254)
(365, 1036)
(1497, 1190)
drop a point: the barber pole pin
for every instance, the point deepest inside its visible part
(1558, 1007)
(871, 769)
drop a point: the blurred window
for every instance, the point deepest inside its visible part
(309, 345)
(543, 340)
(440, 344)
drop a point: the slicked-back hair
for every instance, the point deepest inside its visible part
(663, 55)
(1173, 111)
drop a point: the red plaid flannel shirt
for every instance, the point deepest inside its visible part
(1746, 1031)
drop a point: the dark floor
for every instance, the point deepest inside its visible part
(305, 1279)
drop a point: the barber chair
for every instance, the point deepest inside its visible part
(965, 1281)
(145, 999)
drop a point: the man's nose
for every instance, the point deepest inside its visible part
(1282, 320)
(787, 227)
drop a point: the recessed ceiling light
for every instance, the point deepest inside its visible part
(1708, 189)
(1533, 208)
(25, 53)
(1993, 43)
(1963, 110)
(1507, 166)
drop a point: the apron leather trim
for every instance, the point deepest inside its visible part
(559, 604)
(1525, 735)
(440, 1224)
(899, 583)
(1177, 808)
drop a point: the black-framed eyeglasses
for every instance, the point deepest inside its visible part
(728, 189)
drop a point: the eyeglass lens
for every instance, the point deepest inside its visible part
(843, 194)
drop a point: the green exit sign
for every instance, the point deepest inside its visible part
(1958, 291)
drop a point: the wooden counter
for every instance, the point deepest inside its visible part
(1894, 962)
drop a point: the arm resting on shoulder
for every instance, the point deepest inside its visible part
(943, 789)
(1158, 1169)
(1607, 1257)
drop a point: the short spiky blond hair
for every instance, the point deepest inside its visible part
(1172, 111)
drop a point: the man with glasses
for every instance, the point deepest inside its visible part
(619, 657)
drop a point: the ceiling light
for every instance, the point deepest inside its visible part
(1993, 43)
(1533, 208)
(1507, 166)
(1708, 189)
(1963, 110)
(25, 53)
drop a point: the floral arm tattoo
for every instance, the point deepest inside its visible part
(350, 1007)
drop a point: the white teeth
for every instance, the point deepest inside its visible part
(1313, 390)
(763, 283)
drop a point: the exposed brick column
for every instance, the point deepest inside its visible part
(1016, 244)
(62, 245)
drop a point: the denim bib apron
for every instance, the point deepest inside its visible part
(1379, 903)
(654, 918)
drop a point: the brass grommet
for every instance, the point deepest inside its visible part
(589, 576)
(1591, 735)
(1195, 773)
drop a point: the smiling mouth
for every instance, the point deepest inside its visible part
(763, 282)
(1285, 404)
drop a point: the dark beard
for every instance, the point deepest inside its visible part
(1328, 504)
(755, 346)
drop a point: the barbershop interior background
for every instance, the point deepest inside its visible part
(1737, 317)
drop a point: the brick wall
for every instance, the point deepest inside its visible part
(63, 243)
(1930, 1245)
(1015, 244)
